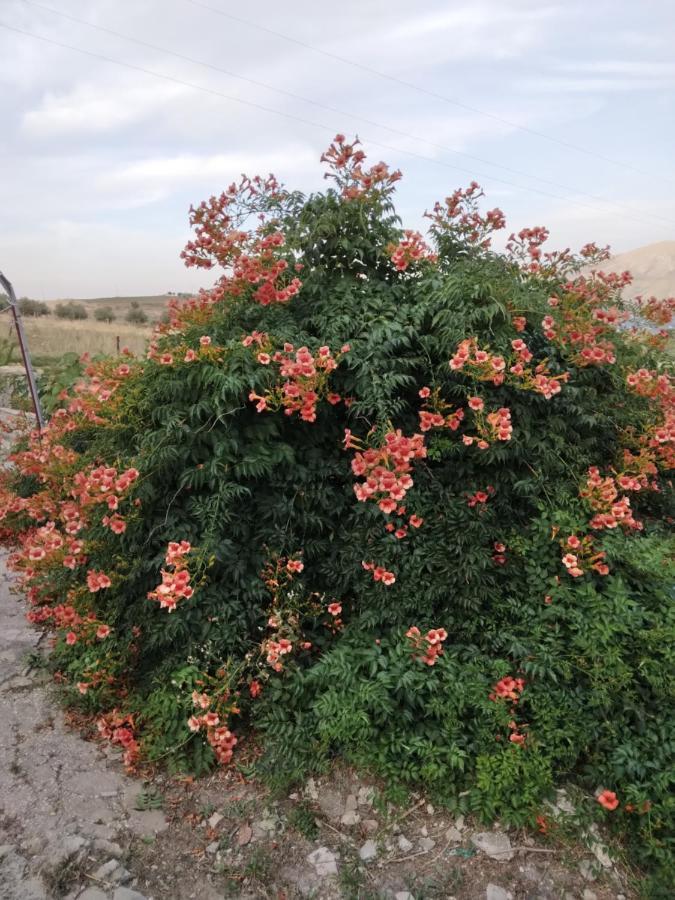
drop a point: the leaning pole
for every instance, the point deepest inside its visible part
(23, 344)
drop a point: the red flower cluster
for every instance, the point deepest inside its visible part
(218, 735)
(120, 729)
(509, 688)
(175, 585)
(410, 249)
(427, 648)
(344, 162)
(306, 377)
(583, 556)
(460, 218)
(602, 495)
(386, 469)
(480, 497)
(379, 573)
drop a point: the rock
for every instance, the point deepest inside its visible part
(588, 894)
(124, 893)
(310, 789)
(244, 835)
(331, 804)
(587, 870)
(424, 831)
(453, 835)
(427, 844)
(351, 817)
(599, 851)
(215, 819)
(324, 861)
(365, 796)
(110, 848)
(370, 825)
(562, 803)
(459, 823)
(351, 803)
(404, 844)
(92, 893)
(495, 892)
(494, 844)
(148, 822)
(112, 872)
(403, 895)
(430, 809)
(212, 848)
(368, 851)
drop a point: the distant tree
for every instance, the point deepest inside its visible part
(71, 310)
(104, 314)
(136, 315)
(35, 308)
(4, 301)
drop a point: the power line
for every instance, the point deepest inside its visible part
(285, 115)
(421, 89)
(396, 131)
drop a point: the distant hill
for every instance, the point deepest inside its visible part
(153, 305)
(652, 268)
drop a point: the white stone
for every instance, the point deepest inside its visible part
(368, 851)
(459, 823)
(215, 819)
(430, 809)
(588, 894)
(351, 817)
(427, 844)
(404, 844)
(124, 893)
(453, 835)
(494, 844)
(351, 803)
(365, 796)
(587, 870)
(310, 789)
(495, 892)
(324, 861)
(212, 848)
(403, 895)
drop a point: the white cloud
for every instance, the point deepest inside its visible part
(92, 109)
(99, 163)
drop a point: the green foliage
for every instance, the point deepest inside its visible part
(135, 314)
(104, 314)
(71, 310)
(34, 308)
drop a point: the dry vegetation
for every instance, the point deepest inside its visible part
(50, 337)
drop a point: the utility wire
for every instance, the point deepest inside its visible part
(285, 115)
(343, 113)
(422, 90)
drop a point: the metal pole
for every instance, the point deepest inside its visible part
(23, 344)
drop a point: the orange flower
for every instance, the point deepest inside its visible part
(608, 799)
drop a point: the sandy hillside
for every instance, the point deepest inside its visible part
(652, 267)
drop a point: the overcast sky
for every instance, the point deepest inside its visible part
(100, 162)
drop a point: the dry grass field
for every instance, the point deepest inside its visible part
(53, 337)
(50, 337)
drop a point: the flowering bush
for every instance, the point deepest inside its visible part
(407, 501)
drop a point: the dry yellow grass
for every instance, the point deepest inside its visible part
(53, 337)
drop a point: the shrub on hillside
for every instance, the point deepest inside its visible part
(71, 310)
(35, 308)
(136, 315)
(104, 314)
(402, 501)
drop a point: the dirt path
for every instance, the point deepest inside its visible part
(70, 826)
